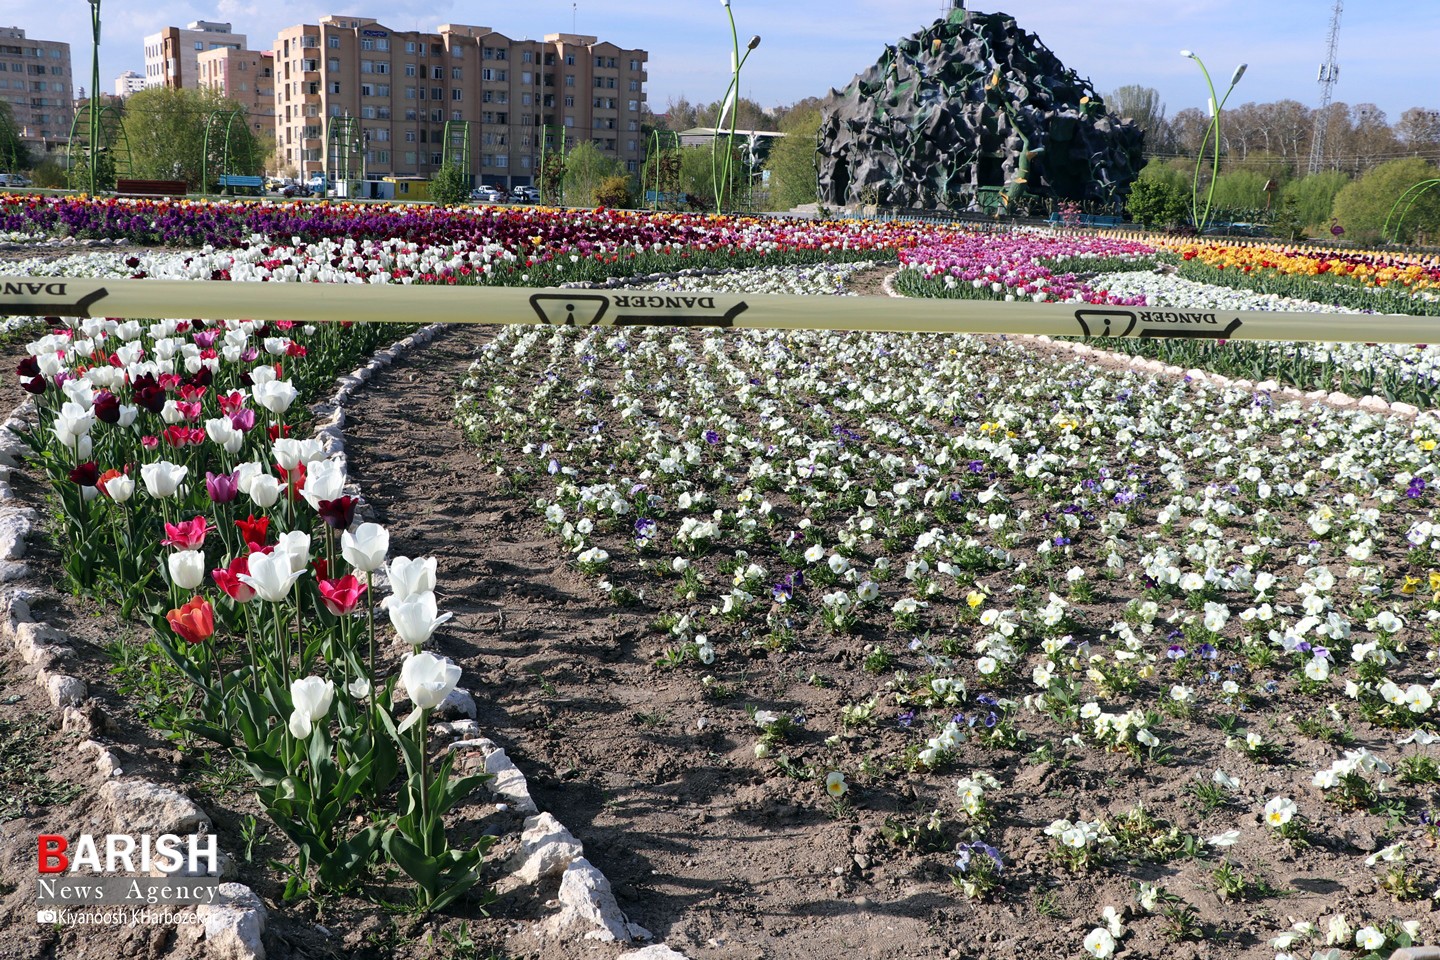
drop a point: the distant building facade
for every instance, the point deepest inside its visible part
(172, 55)
(129, 82)
(403, 86)
(35, 80)
(246, 77)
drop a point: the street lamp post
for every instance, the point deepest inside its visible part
(1213, 130)
(95, 97)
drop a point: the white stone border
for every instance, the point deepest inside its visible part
(1340, 401)
(233, 927)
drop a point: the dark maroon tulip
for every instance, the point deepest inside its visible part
(87, 474)
(338, 513)
(34, 385)
(107, 407)
(29, 367)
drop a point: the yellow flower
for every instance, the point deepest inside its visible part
(1408, 587)
(975, 598)
(1426, 444)
(1434, 580)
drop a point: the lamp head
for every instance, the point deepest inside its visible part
(754, 42)
(1239, 72)
(1187, 53)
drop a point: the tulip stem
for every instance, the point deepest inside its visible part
(424, 726)
(370, 613)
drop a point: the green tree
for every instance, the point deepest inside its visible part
(1240, 194)
(166, 132)
(792, 165)
(449, 186)
(14, 152)
(1160, 196)
(1314, 197)
(586, 168)
(1364, 204)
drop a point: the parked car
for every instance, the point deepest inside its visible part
(525, 195)
(14, 180)
(487, 194)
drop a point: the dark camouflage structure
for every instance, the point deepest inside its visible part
(973, 113)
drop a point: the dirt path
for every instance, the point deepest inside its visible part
(709, 854)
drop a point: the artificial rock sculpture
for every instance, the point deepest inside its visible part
(973, 113)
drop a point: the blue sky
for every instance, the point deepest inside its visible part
(1386, 46)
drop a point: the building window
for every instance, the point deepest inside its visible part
(309, 41)
(527, 56)
(569, 121)
(569, 101)
(334, 86)
(367, 44)
(634, 64)
(569, 79)
(437, 73)
(333, 64)
(569, 59)
(456, 94)
(409, 136)
(437, 93)
(410, 48)
(409, 69)
(634, 86)
(367, 113)
(454, 73)
(333, 43)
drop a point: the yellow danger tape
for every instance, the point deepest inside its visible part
(391, 303)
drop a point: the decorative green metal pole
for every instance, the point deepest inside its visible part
(95, 97)
(1212, 131)
(736, 62)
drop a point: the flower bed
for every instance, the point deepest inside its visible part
(1038, 566)
(1049, 591)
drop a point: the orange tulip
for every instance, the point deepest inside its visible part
(194, 622)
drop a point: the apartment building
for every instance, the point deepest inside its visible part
(129, 82)
(172, 55)
(401, 87)
(35, 80)
(246, 77)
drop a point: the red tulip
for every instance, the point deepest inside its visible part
(194, 622)
(254, 530)
(342, 596)
(228, 579)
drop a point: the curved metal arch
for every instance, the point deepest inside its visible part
(212, 120)
(1414, 193)
(657, 152)
(112, 138)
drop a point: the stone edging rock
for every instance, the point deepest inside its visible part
(1340, 401)
(233, 927)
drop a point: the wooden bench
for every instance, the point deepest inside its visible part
(150, 188)
(232, 181)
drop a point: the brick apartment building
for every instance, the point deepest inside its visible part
(172, 55)
(35, 80)
(246, 77)
(402, 86)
